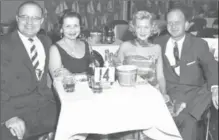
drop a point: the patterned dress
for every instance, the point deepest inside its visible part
(145, 58)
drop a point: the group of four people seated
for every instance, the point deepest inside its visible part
(181, 67)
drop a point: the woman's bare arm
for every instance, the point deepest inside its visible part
(160, 75)
(121, 52)
(55, 61)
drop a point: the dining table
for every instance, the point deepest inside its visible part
(116, 109)
(210, 21)
(213, 46)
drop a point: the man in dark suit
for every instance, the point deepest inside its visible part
(27, 104)
(191, 73)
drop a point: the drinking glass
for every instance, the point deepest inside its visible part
(69, 83)
(95, 86)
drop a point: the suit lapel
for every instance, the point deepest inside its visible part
(46, 54)
(22, 52)
(185, 48)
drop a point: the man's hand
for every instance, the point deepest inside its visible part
(176, 107)
(16, 127)
(215, 97)
(179, 107)
(166, 98)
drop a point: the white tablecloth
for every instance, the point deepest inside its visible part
(210, 22)
(117, 109)
(213, 46)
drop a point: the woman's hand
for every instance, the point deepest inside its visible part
(61, 72)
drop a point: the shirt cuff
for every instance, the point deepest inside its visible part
(214, 86)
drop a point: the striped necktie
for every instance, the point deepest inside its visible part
(34, 59)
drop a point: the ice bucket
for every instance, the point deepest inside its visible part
(126, 75)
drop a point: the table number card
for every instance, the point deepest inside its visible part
(104, 74)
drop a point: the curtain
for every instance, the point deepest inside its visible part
(95, 13)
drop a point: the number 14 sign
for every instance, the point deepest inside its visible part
(104, 74)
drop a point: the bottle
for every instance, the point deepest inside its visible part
(104, 34)
(110, 38)
(111, 60)
(90, 71)
(106, 61)
(95, 86)
(107, 64)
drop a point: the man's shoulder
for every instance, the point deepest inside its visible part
(197, 40)
(7, 41)
(45, 39)
(160, 39)
(6, 38)
(199, 45)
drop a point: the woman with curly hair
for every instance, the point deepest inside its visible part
(142, 53)
(145, 55)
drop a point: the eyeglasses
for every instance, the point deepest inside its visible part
(177, 23)
(27, 18)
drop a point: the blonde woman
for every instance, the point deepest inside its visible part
(145, 55)
(142, 53)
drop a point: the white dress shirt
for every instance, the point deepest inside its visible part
(169, 52)
(39, 48)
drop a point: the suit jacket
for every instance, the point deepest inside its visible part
(21, 92)
(198, 72)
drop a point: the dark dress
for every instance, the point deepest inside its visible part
(75, 65)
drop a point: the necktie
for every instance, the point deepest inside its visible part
(34, 59)
(176, 54)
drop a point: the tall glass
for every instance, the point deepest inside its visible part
(95, 86)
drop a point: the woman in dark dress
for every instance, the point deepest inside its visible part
(70, 52)
(70, 55)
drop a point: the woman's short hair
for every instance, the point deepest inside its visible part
(69, 14)
(140, 15)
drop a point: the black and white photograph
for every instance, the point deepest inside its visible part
(109, 69)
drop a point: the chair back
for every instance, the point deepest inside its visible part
(215, 24)
(113, 23)
(120, 30)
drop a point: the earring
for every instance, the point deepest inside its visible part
(61, 32)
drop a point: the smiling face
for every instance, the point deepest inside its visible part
(71, 27)
(29, 20)
(176, 24)
(143, 28)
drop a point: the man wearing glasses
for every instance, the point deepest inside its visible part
(28, 107)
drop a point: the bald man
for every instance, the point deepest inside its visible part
(28, 107)
(191, 73)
